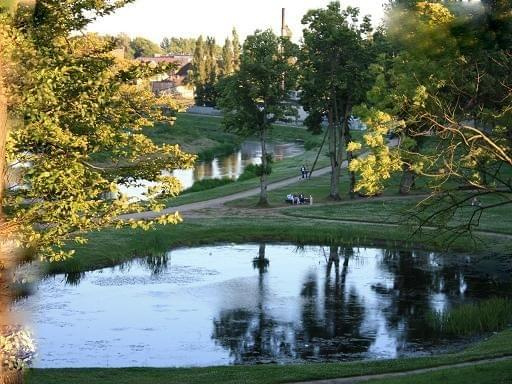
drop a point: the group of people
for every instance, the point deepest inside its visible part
(296, 199)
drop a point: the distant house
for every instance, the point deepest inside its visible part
(172, 82)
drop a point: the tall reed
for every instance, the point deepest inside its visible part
(468, 319)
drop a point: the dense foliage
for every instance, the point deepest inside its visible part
(445, 88)
(69, 98)
(255, 96)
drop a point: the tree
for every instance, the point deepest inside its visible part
(236, 49)
(178, 45)
(144, 47)
(199, 72)
(123, 41)
(65, 98)
(255, 96)
(451, 82)
(210, 93)
(333, 62)
(226, 64)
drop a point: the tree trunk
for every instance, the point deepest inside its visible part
(11, 377)
(334, 193)
(407, 181)
(8, 256)
(350, 155)
(264, 164)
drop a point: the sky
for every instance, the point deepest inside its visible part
(156, 19)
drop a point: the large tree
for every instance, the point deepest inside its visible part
(226, 63)
(236, 49)
(205, 71)
(64, 98)
(449, 84)
(333, 62)
(255, 97)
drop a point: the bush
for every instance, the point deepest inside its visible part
(205, 184)
(469, 319)
(310, 144)
(250, 172)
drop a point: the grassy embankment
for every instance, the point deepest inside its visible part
(497, 345)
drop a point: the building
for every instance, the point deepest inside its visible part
(175, 81)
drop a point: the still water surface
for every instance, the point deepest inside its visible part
(245, 304)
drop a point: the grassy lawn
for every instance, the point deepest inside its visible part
(497, 345)
(114, 246)
(389, 208)
(490, 373)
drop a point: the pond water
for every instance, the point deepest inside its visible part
(230, 166)
(246, 304)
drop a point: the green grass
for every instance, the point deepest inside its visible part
(207, 184)
(114, 246)
(498, 345)
(473, 318)
(490, 373)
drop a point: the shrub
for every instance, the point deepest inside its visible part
(250, 172)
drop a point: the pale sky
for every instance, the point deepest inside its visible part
(156, 19)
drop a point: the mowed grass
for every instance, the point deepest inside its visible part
(496, 346)
(390, 208)
(111, 247)
(490, 373)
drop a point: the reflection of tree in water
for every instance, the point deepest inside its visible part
(156, 263)
(420, 278)
(261, 263)
(409, 297)
(73, 278)
(331, 329)
(253, 336)
(330, 333)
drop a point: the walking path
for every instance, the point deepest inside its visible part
(220, 201)
(361, 379)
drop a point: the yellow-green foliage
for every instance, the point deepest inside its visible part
(382, 161)
(73, 99)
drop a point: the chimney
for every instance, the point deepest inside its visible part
(283, 32)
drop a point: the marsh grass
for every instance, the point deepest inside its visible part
(475, 318)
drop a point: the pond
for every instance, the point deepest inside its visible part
(249, 303)
(230, 166)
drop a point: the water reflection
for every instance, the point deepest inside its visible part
(247, 304)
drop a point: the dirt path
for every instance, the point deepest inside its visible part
(361, 379)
